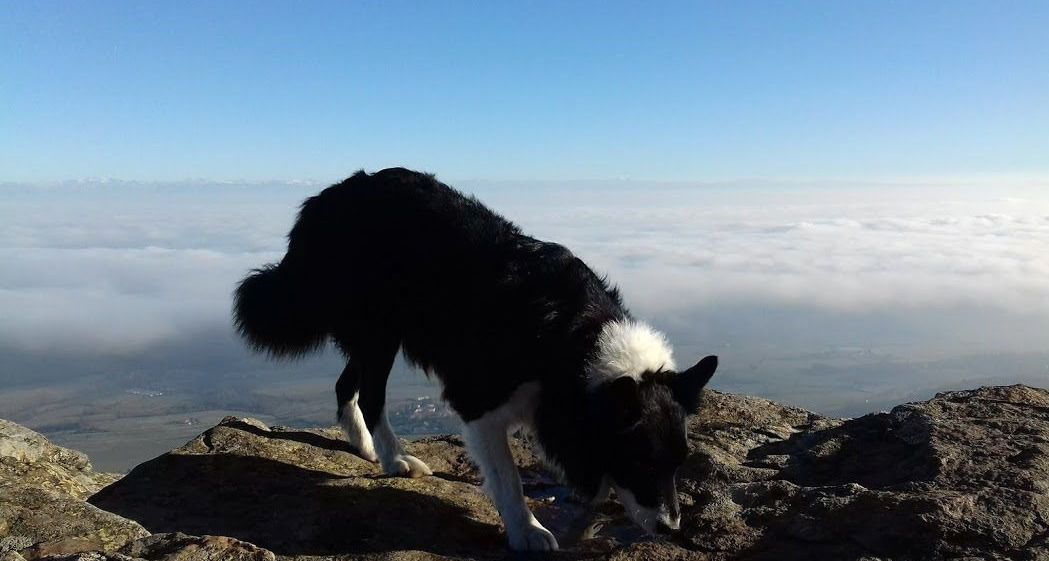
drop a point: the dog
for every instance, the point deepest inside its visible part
(521, 333)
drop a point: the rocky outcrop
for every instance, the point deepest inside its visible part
(42, 492)
(304, 493)
(31, 460)
(962, 476)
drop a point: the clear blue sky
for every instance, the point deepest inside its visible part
(522, 90)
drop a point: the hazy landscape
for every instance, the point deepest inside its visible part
(840, 297)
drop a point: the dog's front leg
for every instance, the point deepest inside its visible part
(486, 440)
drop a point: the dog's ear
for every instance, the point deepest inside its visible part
(625, 400)
(688, 384)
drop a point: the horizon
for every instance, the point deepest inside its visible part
(911, 181)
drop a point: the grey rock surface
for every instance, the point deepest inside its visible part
(42, 492)
(304, 493)
(174, 547)
(31, 460)
(962, 476)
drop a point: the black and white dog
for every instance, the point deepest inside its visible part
(521, 333)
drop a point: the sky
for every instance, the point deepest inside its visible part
(684, 91)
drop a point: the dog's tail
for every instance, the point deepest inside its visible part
(276, 314)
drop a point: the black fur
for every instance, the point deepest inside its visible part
(274, 314)
(397, 260)
(687, 385)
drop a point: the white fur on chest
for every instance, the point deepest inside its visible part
(628, 348)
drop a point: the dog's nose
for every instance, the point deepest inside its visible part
(665, 529)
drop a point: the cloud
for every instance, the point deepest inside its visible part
(114, 299)
(115, 272)
(120, 269)
(845, 252)
(825, 296)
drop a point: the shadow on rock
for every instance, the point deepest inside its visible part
(963, 475)
(296, 511)
(841, 492)
(300, 436)
(878, 451)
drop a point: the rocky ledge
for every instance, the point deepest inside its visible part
(962, 476)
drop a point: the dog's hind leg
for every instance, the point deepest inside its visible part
(347, 392)
(375, 362)
(394, 460)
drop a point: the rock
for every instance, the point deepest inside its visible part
(173, 547)
(962, 476)
(180, 547)
(30, 459)
(90, 556)
(42, 511)
(304, 493)
(9, 555)
(43, 514)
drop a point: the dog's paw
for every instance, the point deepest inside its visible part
(531, 536)
(367, 454)
(405, 465)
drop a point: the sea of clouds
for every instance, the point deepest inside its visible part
(763, 273)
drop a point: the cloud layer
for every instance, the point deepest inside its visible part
(121, 267)
(115, 270)
(850, 251)
(106, 270)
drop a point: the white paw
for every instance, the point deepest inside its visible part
(356, 434)
(404, 465)
(531, 536)
(367, 454)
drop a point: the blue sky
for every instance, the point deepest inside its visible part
(524, 90)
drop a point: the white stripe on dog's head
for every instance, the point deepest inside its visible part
(628, 348)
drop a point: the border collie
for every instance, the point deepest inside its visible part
(521, 333)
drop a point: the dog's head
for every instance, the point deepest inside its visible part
(642, 433)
